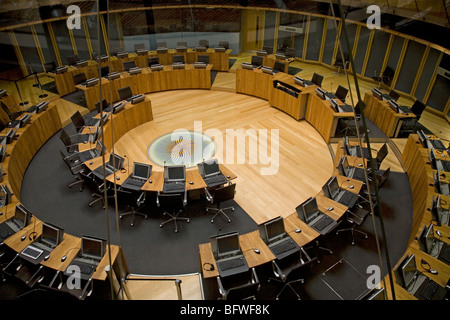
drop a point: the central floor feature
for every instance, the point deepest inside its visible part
(181, 147)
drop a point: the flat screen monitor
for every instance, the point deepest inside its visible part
(93, 248)
(51, 235)
(22, 216)
(426, 238)
(435, 204)
(309, 209)
(228, 244)
(115, 161)
(127, 65)
(408, 270)
(175, 173)
(377, 93)
(142, 170)
(211, 168)
(247, 66)
(333, 187)
(422, 138)
(5, 194)
(274, 229)
(334, 105)
(125, 93)
(321, 94)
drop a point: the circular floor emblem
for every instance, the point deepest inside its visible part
(181, 147)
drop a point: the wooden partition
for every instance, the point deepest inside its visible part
(31, 138)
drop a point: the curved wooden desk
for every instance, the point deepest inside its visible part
(306, 105)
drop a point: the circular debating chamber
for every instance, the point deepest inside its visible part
(224, 150)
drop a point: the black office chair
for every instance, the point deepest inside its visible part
(349, 125)
(279, 66)
(381, 155)
(268, 49)
(203, 43)
(341, 93)
(239, 287)
(394, 95)
(79, 78)
(70, 141)
(132, 201)
(257, 61)
(290, 267)
(97, 190)
(356, 217)
(75, 166)
(50, 67)
(161, 44)
(104, 71)
(11, 115)
(381, 180)
(386, 77)
(152, 60)
(290, 52)
(341, 64)
(224, 44)
(409, 125)
(72, 60)
(203, 58)
(178, 59)
(317, 79)
(220, 195)
(173, 205)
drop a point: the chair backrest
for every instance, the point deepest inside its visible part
(224, 44)
(203, 58)
(72, 60)
(290, 52)
(78, 120)
(317, 79)
(417, 108)
(203, 43)
(394, 95)
(126, 197)
(244, 291)
(79, 78)
(384, 176)
(178, 58)
(153, 60)
(341, 93)
(382, 153)
(257, 60)
(125, 93)
(170, 202)
(104, 71)
(6, 109)
(268, 49)
(139, 46)
(162, 44)
(224, 193)
(279, 66)
(103, 104)
(65, 138)
(50, 66)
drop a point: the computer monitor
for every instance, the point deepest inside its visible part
(408, 270)
(273, 229)
(257, 60)
(422, 138)
(125, 93)
(51, 235)
(92, 247)
(176, 173)
(178, 59)
(317, 79)
(309, 210)
(333, 187)
(41, 106)
(334, 105)
(321, 93)
(435, 204)
(22, 216)
(127, 65)
(375, 294)
(377, 93)
(6, 194)
(115, 161)
(228, 244)
(210, 168)
(142, 170)
(426, 238)
(11, 134)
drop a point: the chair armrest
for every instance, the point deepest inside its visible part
(208, 195)
(141, 198)
(85, 293)
(255, 278)
(277, 271)
(185, 199)
(157, 199)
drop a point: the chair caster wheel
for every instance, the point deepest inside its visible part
(232, 209)
(229, 220)
(176, 231)
(212, 220)
(120, 217)
(188, 220)
(160, 226)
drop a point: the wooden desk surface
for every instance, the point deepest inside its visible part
(307, 234)
(15, 241)
(251, 241)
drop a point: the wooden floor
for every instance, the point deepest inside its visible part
(303, 164)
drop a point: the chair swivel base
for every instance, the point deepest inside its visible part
(220, 211)
(99, 198)
(287, 285)
(174, 218)
(353, 230)
(133, 214)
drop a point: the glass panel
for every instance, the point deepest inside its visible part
(377, 54)
(427, 74)
(410, 65)
(363, 40)
(314, 38)
(330, 42)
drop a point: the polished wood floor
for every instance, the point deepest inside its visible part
(304, 162)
